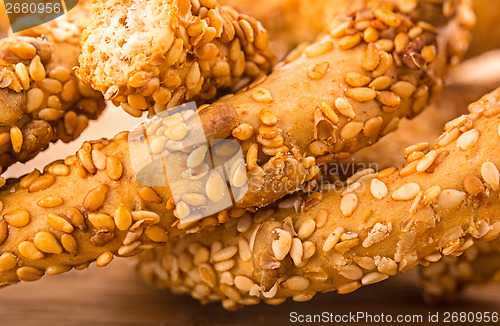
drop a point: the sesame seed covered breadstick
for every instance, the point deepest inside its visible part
(379, 225)
(41, 99)
(329, 100)
(445, 280)
(153, 55)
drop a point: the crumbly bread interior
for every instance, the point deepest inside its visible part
(126, 34)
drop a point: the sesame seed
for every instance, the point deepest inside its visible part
(348, 204)
(378, 189)
(491, 175)
(406, 192)
(468, 139)
(450, 198)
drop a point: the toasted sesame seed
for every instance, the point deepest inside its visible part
(333, 239)
(349, 287)
(361, 94)
(348, 204)
(18, 218)
(281, 246)
(244, 249)
(69, 244)
(296, 251)
(318, 71)
(59, 169)
(59, 223)
(349, 41)
(23, 50)
(373, 277)
(7, 262)
(340, 29)
(268, 118)
(388, 17)
(427, 161)
(406, 192)
(344, 107)
(149, 195)
(473, 185)
(104, 259)
(381, 83)
(491, 175)
(215, 187)
(416, 147)
(319, 49)
(378, 189)
(385, 63)
(306, 229)
(351, 272)
(351, 130)
(224, 265)
(468, 139)
(450, 198)
(296, 283)
(29, 274)
(370, 35)
(47, 242)
(30, 251)
(370, 58)
(114, 168)
(4, 231)
(125, 250)
(262, 95)
(36, 69)
(356, 79)
(50, 202)
(101, 221)
(426, 197)
(16, 138)
(321, 218)
(243, 132)
(386, 266)
(95, 198)
(403, 89)
(225, 254)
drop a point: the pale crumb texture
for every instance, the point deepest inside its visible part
(153, 55)
(452, 215)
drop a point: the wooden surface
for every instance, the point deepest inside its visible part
(116, 296)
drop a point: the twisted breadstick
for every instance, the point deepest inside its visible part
(443, 281)
(381, 224)
(108, 212)
(42, 101)
(182, 50)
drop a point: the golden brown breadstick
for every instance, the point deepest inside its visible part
(292, 111)
(377, 226)
(180, 51)
(42, 101)
(443, 281)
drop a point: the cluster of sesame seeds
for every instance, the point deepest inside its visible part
(396, 76)
(214, 48)
(298, 253)
(43, 99)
